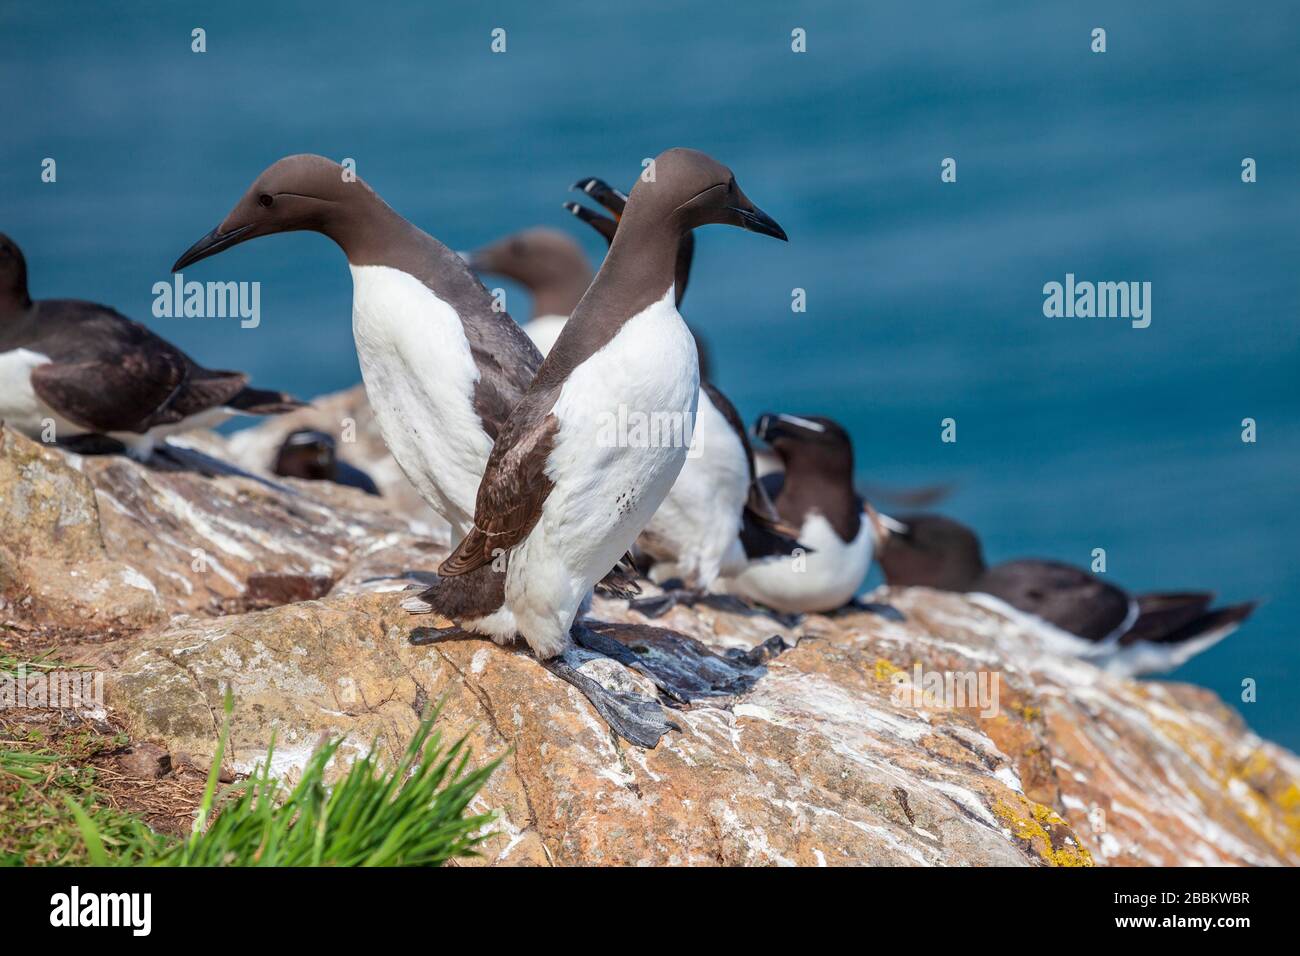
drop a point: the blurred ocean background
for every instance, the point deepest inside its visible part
(924, 299)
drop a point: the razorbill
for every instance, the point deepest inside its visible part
(104, 382)
(562, 499)
(815, 495)
(1120, 632)
(313, 455)
(717, 498)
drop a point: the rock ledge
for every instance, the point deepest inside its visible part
(818, 756)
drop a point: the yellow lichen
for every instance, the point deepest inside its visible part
(1027, 711)
(1268, 804)
(1289, 799)
(885, 670)
(1032, 828)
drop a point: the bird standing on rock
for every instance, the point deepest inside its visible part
(717, 498)
(313, 455)
(106, 383)
(559, 502)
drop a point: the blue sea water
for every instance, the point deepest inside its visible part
(924, 298)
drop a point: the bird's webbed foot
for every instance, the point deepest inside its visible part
(675, 594)
(637, 719)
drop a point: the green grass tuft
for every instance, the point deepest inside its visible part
(55, 811)
(413, 814)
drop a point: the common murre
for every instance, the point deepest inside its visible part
(717, 498)
(556, 272)
(550, 265)
(88, 377)
(557, 506)
(442, 370)
(814, 495)
(615, 200)
(1091, 618)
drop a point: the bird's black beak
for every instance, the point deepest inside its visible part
(755, 220)
(214, 242)
(602, 224)
(602, 192)
(769, 427)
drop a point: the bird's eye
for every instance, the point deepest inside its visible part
(265, 200)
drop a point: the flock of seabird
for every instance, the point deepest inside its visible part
(503, 430)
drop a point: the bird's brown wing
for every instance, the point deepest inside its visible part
(207, 388)
(130, 395)
(1060, 594)
(507, 360)
(511, 495)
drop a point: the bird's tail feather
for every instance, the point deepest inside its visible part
(260, 401)
(1178, 617)
(1224, 619)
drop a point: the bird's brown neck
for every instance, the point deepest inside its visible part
(366, 228)
(637, 272)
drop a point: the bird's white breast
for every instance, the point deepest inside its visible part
(419, 375)
(700, 518)
(544, 330)
(20, 407)
(604, 492)
(826, 576)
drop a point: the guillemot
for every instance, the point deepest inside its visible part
(313, 456)
(555, 271)
(103, 381)
(550, 265)
(1091, 618)
(814, 494)
(615, 200)
(559, 502)
(442, 369)
(717, 499)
